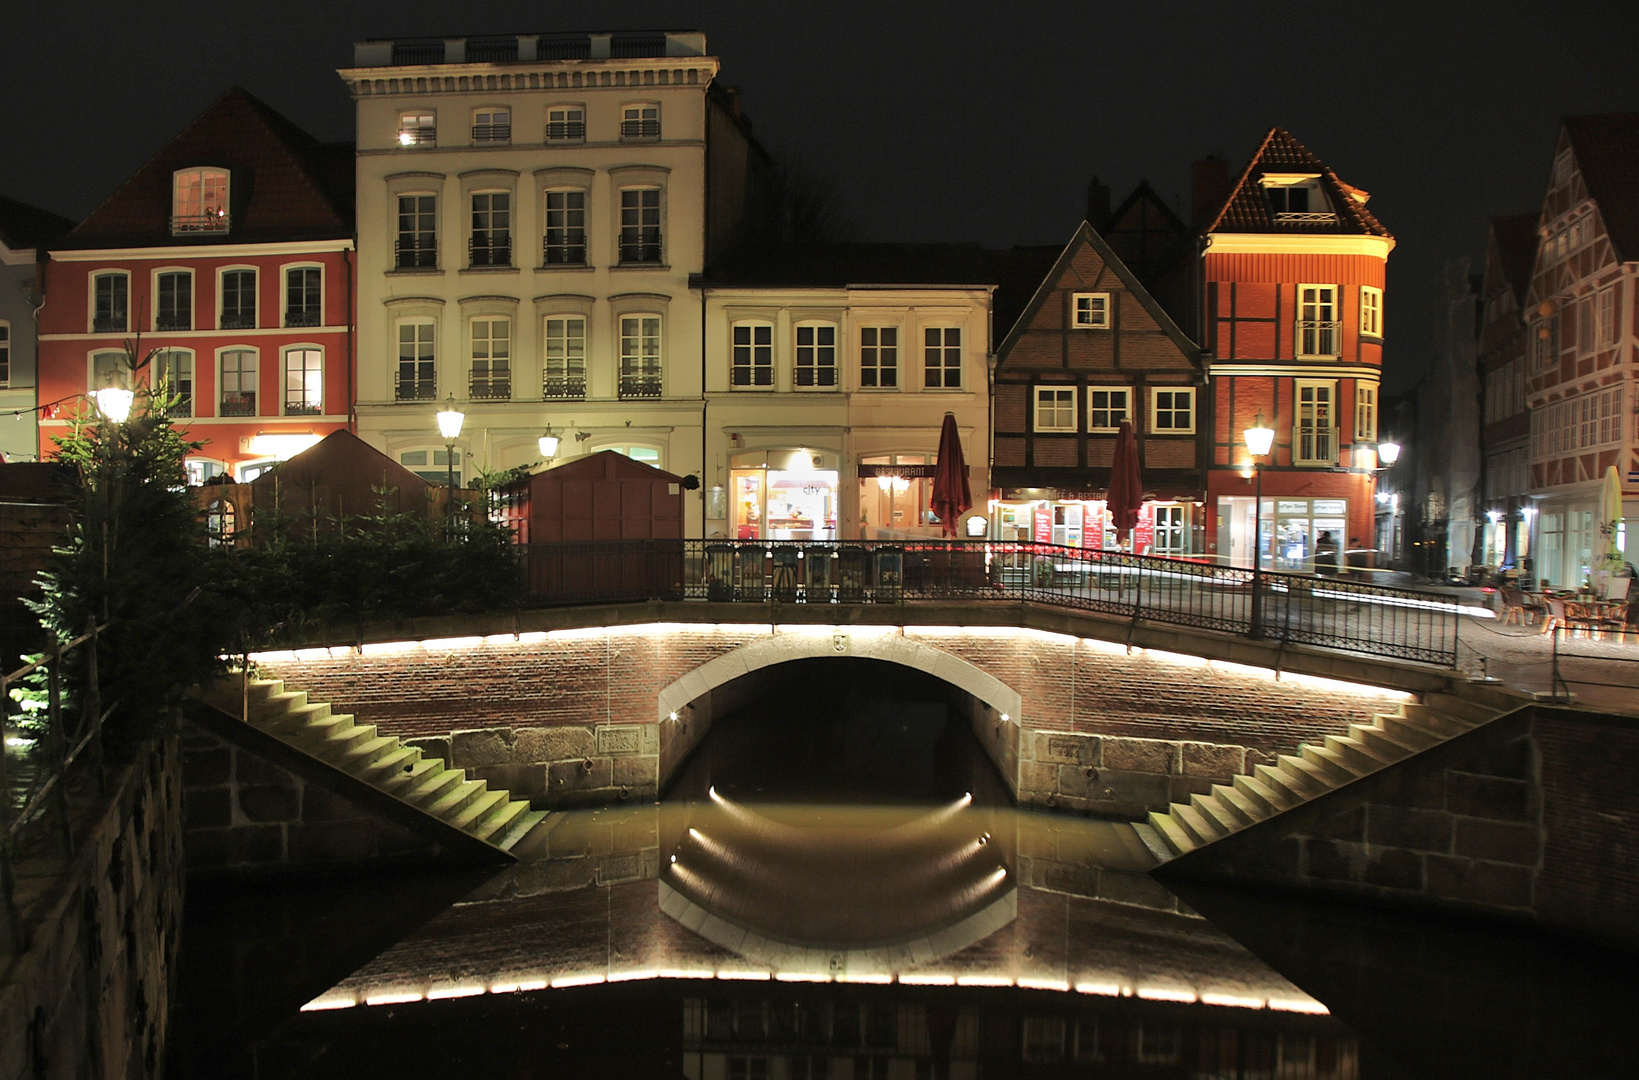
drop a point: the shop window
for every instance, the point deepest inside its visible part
(1055, 408)
(816, 356)
(879, 357)
(795, 502)
(751, 365)
(202, 470)
(1171, 530)
(1107, 407)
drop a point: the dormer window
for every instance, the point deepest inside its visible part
(199, 201)
(1296, 198)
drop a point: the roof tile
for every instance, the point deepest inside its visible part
(1247, 210)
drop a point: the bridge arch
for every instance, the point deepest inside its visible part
(867, 642)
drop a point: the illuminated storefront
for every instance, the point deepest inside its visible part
(789, 494)
(896, 497)
(1299, 535)
(1164, 528)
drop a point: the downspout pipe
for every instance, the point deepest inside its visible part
(352, 331)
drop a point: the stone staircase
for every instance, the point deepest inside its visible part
(1315, 770)
(424, 784)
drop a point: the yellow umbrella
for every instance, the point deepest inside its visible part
(1610, 519)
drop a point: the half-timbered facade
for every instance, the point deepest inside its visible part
(1293, 273)
(1091, 349)
(1506, 425)
(1580, 372)
(226, 262)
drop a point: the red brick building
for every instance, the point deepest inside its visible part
(1293, 320)
(228, 257)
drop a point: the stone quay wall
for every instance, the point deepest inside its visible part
(574, 717)
(91, 995)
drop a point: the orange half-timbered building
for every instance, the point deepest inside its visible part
(1293, 268)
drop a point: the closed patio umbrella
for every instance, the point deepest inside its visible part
(1610, 517)
(1126, 487)
(951, 496)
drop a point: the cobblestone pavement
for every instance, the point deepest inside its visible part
(1600, 673)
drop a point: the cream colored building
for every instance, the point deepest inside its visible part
(530, 211)
(829, 373)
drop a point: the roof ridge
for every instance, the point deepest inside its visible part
(1349, 210)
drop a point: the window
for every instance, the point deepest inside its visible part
(565, 240)
(1584, 326)
(219, 522)
(417, 245)
(1365, 412)
(199, 470)
(1055, 408)
(110, 369)
(304, 382)
(1107, 407)
(304, 296)
(173, 303)
(640, 122)
(817, 356)
(1607, 317)
(492, 124)
(1171, 530)
(434, 466)
(417, 129)
(5, 353)
(238, 383)
(942, 357)
(199, 201)
(879, 357)
(640, 356)
(752, 362)
(1172, 412)
(1371, 311)
(1544, 344)
(1318, 332)
(1295, 199)
(417, 376)
(648, 455)
(565, 123)
(238, 300)
(1314, 440)
(565, 369)
(110, 303)
(491, 360)
(1091, 310)
(173, 378)
(492, 228)
(640, 225)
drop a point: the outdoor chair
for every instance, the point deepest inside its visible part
(1514, 610)
(1556, 615)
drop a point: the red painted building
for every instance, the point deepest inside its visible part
(1293, 268)
(227, 259)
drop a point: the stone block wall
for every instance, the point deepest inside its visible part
(1123, 776)
(91, 995)
(245, 815)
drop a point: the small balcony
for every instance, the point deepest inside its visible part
(1299, 217)
(237, 405)
(490, 387)
(173, 321)
(416, 390)
(214, 223)
(500, 50)
(555, 252)
(416, 135)
(563, 387)
(630, 46)
(419, 254)
(181, 408)
(490, 250)
(108, 324)
(492, 133)
(639, 254)
(640, 386)
(1314, 446)
(1318, 338)
(639, 129)
(415, 53)
(238, 320)
(566, 131)
(303, 318)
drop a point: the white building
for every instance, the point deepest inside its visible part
(530, 211)
(829, 373)
(23, 230)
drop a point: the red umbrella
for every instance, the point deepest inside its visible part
(951, 497)
(1126, 488)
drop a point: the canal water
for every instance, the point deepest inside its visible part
(837, 886)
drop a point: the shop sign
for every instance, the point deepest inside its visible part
(1042, 530)
(1144, 531)
(1331, 506)
(1292, 506)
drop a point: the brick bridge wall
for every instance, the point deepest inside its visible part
(572, 716)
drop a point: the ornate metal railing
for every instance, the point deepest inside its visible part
(1330, 612)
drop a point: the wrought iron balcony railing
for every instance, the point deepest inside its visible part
(640, 386)
(563, 47)
(490, 251)
(165, 323)
(417, 254)
(412, 53)
(108, 324)
(489, 387)
(640, 252)
(237, 405)
(492, 133)
(556, 252)
(209, 223)
(627, 46)
(238, 320)
(302, 407)
(640, 129)
(492, 50)
(1319, 337)
(562, 387)
(303, 318)
(416, 390)
(566, 131)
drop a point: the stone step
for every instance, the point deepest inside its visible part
(1200, 829)
(403, 781)
(394, 761)
(1333, 766)
(1496, 697)
(500, 820)
(1172, 834)
(333, 740)
(1413, 732)
(1218, 814)
(1385, 744)
(1356, 754)
(299, 715)
(278, 703)
(479, 809)
(434, 787)
(519, 829)
(1316, 780)
(455, 799)
(303, 734)
(1462, 708)
(1270, 799)
(257, 690)
(1245, 808)
(1297, 786)
(364, 754)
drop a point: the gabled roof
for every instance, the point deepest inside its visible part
(1247, 210)
(1019, 273)
(1515, 238)
(1146, 232)
(1086, 234)
(834, 266)
(284, 185)
(23, 226)
(1607, 155)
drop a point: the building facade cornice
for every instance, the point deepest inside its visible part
(1368, 372)
(1287, 244)
(202, 251)
(650, 73)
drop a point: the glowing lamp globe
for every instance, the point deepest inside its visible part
(450, 420)
(114, 402)
(548, 445)
(1259, 438)
(1388, 452)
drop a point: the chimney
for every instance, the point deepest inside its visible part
(1098, 204)
(1209, 187)
(731, 96)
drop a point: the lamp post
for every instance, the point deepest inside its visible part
(450, 420)
(1388, 452)
(1259, 439)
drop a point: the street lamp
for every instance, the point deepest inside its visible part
(548, 444)
(114, 402)
(1259, 439)
(1388, 452)
(450, 420)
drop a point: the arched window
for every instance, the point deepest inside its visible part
(304, 381)
(237, 386)
(491, 375)
(220, 522)
(173, 378)
(640, 356)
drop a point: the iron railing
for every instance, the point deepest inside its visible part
(565, 130)
(492, 132)
(303, 316)
(415, 253)
(39, 744)
(640, 386)
(1301, 609)
(242, 404)
(490, 250)
(492, 50)
(489, 387)
(562, 387)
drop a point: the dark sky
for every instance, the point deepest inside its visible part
(951, 121)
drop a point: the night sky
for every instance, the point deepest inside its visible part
(959, 121)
